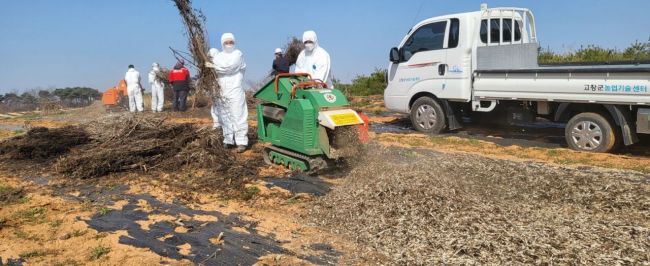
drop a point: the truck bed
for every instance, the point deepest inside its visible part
(611, 84)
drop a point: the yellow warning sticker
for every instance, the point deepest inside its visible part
(345, 119)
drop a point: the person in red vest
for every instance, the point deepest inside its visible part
(179, 78)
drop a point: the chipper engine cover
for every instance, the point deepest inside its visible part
(304, 124)
(115, 99)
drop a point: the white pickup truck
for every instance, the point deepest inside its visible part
(486, 62)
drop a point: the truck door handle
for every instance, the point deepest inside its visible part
(442, 68)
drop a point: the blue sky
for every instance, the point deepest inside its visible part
(58, 43)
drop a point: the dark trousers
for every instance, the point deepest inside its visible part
(179, 100)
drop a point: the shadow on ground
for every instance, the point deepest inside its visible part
(240, 243)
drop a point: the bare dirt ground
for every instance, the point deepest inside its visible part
(53, 216)
(497, 196)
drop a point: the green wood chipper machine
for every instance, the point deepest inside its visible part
(305, 125)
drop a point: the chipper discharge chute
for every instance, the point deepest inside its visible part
(304, 124)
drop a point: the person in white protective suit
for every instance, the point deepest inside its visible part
(232, 109)
(214, 111)
(313, 59)
(134, 89)
(157, 89)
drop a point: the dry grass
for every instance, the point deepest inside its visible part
(368, 104)
(558, 156)
(10, 195)
(4, 133)
(98, 252)
(430, 208)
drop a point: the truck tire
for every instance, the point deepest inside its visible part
(590, 132)
(428, 116)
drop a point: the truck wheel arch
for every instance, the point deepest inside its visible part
(419, 95)
(619, 114)
(625, 121)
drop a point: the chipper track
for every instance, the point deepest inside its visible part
(294, 161)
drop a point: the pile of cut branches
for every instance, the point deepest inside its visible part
(185, 156)
(127, 143)
(188, 157)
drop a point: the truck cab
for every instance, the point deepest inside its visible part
(438, 55)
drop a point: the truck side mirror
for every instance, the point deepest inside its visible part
(394, 55)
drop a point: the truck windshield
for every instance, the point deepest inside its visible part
(426, 38)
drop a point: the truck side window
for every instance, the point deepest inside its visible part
(495, 31)
(426, 38)
(484, 31)
(517, 30)
(507, 31)
(454, 33)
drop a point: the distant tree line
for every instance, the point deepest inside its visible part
(364, 85)
(636, 52)
(63, 97)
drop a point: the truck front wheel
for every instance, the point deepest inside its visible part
(428, 116)
(590, 132)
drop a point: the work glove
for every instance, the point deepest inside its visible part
(209, 64)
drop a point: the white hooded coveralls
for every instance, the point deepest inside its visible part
(134, 90)
(315, 62)
(157, 90)
(214, 111)
(232, 109)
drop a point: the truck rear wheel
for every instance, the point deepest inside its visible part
(428, 116)
(590, 132)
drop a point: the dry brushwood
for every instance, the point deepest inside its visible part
(188, 157)
(49, 106)
(124, 144)
(198, 45)
(162, 75)
(292, 50)
(147, 143)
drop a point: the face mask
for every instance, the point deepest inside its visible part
(229, 47)
(310, 46)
